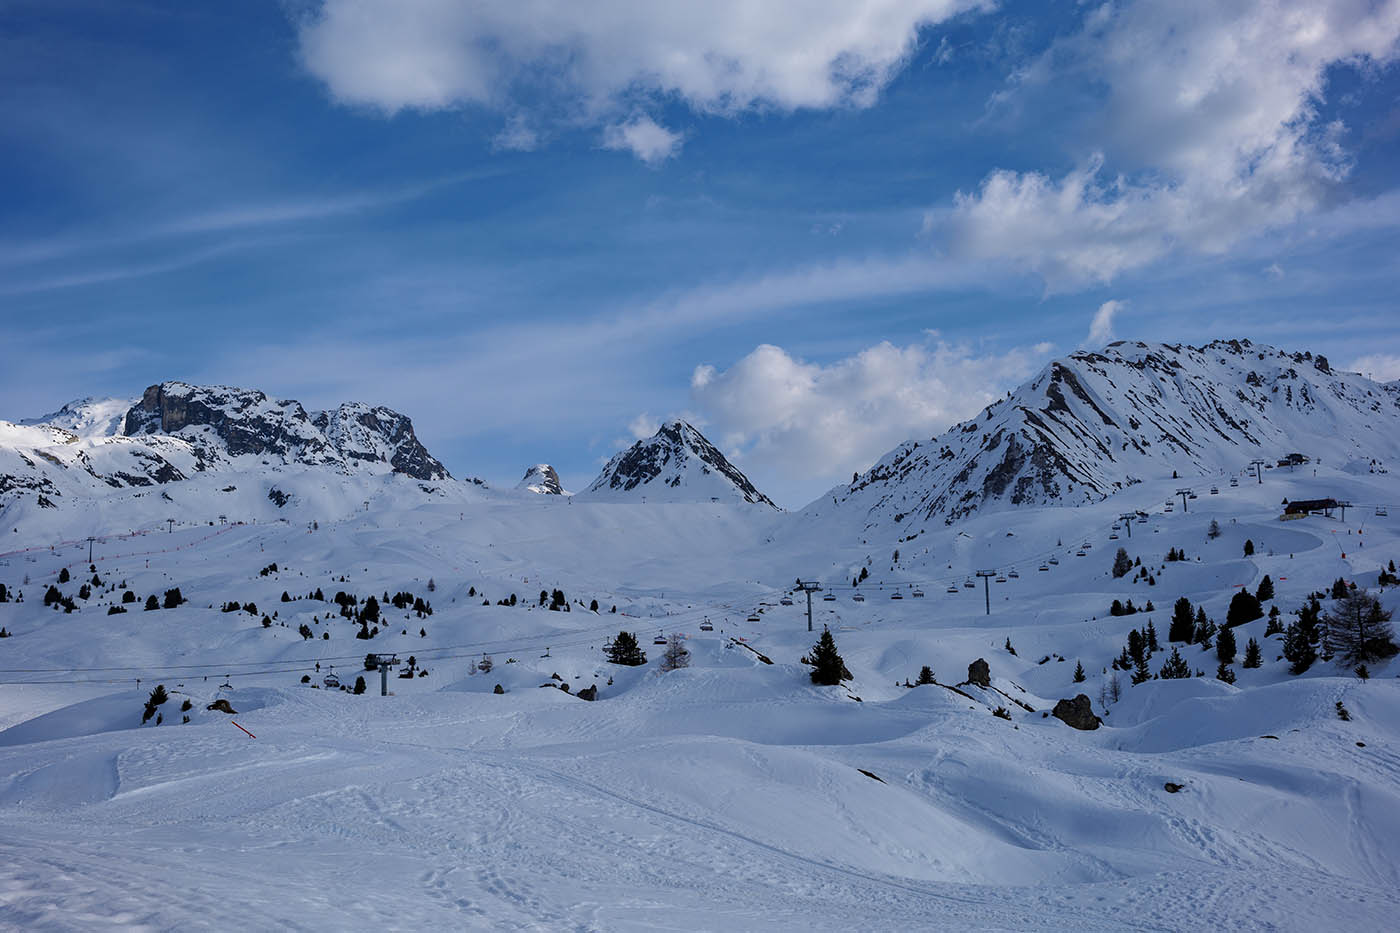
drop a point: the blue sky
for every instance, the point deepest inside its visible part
(814, 228)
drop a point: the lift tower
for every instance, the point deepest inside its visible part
(809, 588)
(986, 576)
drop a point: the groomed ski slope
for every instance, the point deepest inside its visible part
(728, 795)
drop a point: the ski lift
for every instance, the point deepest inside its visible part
(1086, 545)
(228, 682)
(917, 594)
(707, 626)
(1113, 537)
(896, 595)
(785, 601)
(858, 598)
(331, 682)
(969, 585)
(1054, 562)
(1234, 481)
(659, 640)
(1079, 554)
(1001, 579)
(754, 618)
(952, 588)
(1381, 511)
(1169, 508)
(1215, 490)
(1043, 568)
(829, 598)
(1013, 575)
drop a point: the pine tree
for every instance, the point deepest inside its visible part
(1359, 629)
(1339, 588)
(152, 602)
(1266, 589)
(676, 654)
(1122, 563)
(1205, 628)
(1183, 624)
(1244, 607)
(1297, 649)
(1224, 673)
(1079, 672)
(485, 664)
(1176, 667)
(827, 667)
(1225, 646)
(1140, 670)
(1249, 547)
(1213, 531)
(63, 576)
(624, 650)
(359, 685)
(925, 676)
(1151, 633)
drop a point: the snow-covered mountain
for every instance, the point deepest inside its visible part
(676, 464)
(542, 479)
(178, 431)
(1094, 423)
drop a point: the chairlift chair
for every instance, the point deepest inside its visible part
(1113, 537)
(953, 588)
(969, 585)
(1215, 490)
(858, 598)
(707, 626)
(1054, 562)
(829, 598)
(896, 595)
(1001, 579)
(754, 618)
(785, 601)
(917, 594)
(1043, 568)
(1381, 511)
(1013, 575)
(1079, 554)
(1234, 481)
(659, 640)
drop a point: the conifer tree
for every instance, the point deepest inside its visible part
(1122, 563)
(1183, 624)
(1224, 673)
(925, 675)
(1176, 667)
(1298, 649)
(624, 650)
(828, 669)
(1359, 629)
(676, 655)
(1225, 646)
(1266, 589)
(1252, 655)
(1151, 633)
(1249, 547)
(1079, 672)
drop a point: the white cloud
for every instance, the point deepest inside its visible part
(1382, 367)
(644, 138)
(644, 426)
(517, 135)
(1212, 110)
(1101, 327)
(804, 420)
(720, 56)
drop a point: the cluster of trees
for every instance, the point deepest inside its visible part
(1176, 554)
(1136, 653)
(1190, 624)
(1122, 564)
(1119, 608)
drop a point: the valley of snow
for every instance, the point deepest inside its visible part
(732, 794)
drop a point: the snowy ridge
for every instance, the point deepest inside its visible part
(1094, 423)
(676, 464)
(236, 439)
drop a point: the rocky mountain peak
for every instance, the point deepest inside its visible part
(542, 479)
(677, 463)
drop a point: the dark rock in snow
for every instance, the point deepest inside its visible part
(979, 672)
(1077, 713)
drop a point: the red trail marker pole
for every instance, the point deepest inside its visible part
(250, 735)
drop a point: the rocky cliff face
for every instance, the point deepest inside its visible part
(1094, 423)
(542, 479)
(245, 422)
(675, 464)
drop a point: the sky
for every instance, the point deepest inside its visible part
(814, 228)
